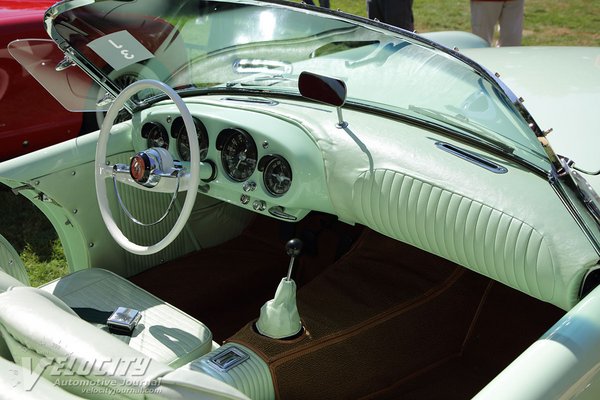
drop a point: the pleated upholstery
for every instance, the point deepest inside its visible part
(164, 333)
(460, 229)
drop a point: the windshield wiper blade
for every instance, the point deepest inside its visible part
(262, 80)
(378, 56)
(462, 122)
(585, 191)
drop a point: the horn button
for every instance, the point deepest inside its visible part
(148, 166)
(139, 168)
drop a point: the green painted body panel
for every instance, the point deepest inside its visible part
(561, 88)
(427, 150)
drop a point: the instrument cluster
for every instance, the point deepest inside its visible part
(238, 154)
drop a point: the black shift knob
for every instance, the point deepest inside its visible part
(293, 247)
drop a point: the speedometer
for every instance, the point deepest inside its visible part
(238, 153)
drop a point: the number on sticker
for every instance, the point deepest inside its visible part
(125, 53)
(117, 46)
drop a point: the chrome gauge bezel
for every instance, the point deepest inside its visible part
(179, 133)
(276, 170)
(156, 135)
(239, 154)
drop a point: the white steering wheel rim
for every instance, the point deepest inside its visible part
(101, 149)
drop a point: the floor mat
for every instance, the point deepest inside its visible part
(383, 320)
(386, 321)
(225, 286)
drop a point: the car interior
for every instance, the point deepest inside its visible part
(325, 254)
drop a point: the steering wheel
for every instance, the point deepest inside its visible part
(146, 170)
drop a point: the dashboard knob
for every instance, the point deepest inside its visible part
(259, 205)
(249, 186)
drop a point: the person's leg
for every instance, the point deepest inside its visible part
(511, 23)
(399, 13)
(374, 10)
(484, 16)
(324, 3)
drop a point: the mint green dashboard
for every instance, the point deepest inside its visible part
(258, 161)
(396, 178)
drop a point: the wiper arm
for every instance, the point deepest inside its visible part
(378, 56)
(586, 192)
(262, 80)
(463, 122)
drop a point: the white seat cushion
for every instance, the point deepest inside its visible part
(66, 351)
(14, 386)
(12, 266)
(164, 333)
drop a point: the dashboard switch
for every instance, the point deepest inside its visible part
(249, 186)
(259, 205)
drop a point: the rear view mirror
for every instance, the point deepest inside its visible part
(324, 89)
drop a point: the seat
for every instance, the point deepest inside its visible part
(14, 272)
(51, 342)
(164, 333)
(17, 383)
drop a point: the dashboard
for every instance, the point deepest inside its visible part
(259, 160)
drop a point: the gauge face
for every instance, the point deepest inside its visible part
(179, 132)
(277, 176)
(238, 154)
(156, 135)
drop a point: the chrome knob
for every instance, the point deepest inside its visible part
(249, 186)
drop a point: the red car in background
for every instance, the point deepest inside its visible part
(30, 119)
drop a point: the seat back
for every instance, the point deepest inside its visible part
(12, 269)
(15, 384)
(51, 343)
(47, 339)
(12, 273)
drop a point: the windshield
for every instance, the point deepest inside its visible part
(199, 46)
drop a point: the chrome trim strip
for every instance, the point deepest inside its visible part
(554, 183)
(471, 157)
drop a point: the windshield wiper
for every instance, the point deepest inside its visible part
(586, 192)
(461, 121)
(262, 80)
(379, 56)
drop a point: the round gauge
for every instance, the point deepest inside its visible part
(238, 154)
(179, 132)
(156, 135)
(277, 176)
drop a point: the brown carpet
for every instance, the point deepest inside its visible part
(384, 321)
(225, 286)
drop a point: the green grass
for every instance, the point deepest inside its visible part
(31, 234)
(547, 22)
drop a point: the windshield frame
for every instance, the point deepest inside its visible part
(500, 89)
(551, 169)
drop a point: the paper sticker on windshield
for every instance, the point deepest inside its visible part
(120, 49)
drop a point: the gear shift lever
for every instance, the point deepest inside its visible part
(293, 248)
(279, 316)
